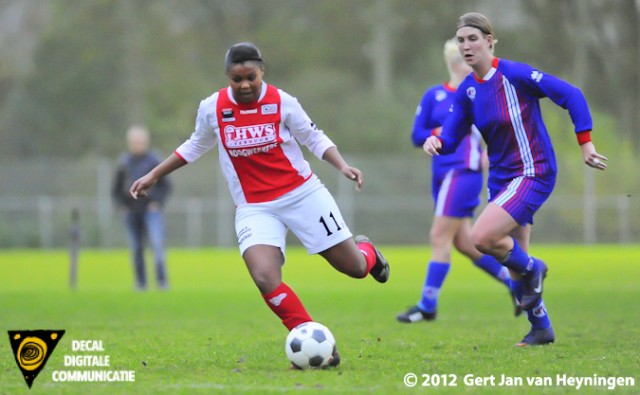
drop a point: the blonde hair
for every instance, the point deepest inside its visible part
(480, 22)
(451, 51)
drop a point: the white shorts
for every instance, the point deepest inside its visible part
(309, 211)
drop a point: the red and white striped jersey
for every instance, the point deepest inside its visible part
(258, 152)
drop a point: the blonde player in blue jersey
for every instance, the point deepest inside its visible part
(501, 98)
(455, 186)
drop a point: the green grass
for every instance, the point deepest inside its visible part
(212, 333)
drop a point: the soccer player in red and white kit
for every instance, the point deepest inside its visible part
(255, 126)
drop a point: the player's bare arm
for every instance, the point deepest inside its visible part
(332, 155)
(142, 185)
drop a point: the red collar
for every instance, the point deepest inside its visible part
(490, 73)
(448, 87)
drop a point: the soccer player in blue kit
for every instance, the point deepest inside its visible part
(501, 98)
(455, 187)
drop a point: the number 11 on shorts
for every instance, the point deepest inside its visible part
(326, 227)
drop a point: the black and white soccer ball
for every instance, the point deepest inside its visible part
(310, 345)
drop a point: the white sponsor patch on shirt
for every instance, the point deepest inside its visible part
(269, 109)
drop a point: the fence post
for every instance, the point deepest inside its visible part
(590, 210)
(624, 219)
(346, 200)
(45, 218)
(74, 247)
(223, 214)
(194, 222)
(103, 202)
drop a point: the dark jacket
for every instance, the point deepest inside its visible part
(129, 169)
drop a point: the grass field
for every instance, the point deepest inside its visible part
(212, 333)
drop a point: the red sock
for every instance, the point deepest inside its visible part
(285, 303)
(369, 255)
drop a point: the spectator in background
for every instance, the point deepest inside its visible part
(143, 218)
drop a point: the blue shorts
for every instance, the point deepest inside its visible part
(521, 197)
(456, 193)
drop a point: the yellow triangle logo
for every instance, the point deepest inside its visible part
(32, 348)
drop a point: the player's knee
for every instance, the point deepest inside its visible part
(438, 239)
(466, 249)
(265, 281)
(483, 241)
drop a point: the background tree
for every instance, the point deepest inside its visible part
(76, 74)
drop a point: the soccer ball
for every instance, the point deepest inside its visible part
(310, 345)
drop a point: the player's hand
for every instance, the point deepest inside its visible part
(354, 175)
(592, 158)
(140, 187)
(432, 146)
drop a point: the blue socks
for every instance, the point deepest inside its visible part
(495, 269)
(518, 260)
(537, 316)
(436, 274)
(516, 288)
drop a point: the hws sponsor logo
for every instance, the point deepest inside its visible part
(249, 136)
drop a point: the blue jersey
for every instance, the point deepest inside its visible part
(431, 113)
(505, 107)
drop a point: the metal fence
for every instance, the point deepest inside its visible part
(395, 207)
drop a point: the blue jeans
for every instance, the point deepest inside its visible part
(140, 226)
